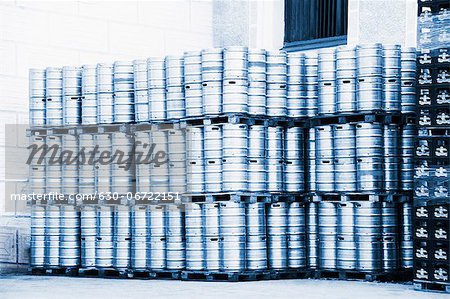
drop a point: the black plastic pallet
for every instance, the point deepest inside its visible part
(357, 196)
(67, 271)
(102, 273)
(165, 274)
(397, 275)
(247, 197)
(378, 116)
(292, 274)
(428, 286)
(226, 276)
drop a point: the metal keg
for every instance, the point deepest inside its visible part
(310, 169)
(213, 175)
(276, 88)
(325, 169)
(193, 99)
(174, 66)
(311, 81)
(368, 236)
(212, 141)
(104, 247)
(70, 164)
(312, 234)
(369, 175)
(369, 60)
(37, 173)
(157, 104)
(368, 218)
(54, 96)
(232, 233)
(392, 94)
(235, 96)
(175, 237)
(295, 84)
(90, 107)
(257, 140)
(369, 255)
(346, 245)
(53, 165)
(156, 258)
(235, 173)
(344, 152)
(52, 235)
(275, 168)
(408, 132)
(212, 97)
(277, 235)
(122, 237)
(293, 154)
(121, 172)
(406, 241)
(391, 61)
(70, 236)
(159, 172)
(175, 103)
(123, 105)
(390, 253)
(346, 79)
(86, 171)
(37, 243)
(324, 142)
(195, 162)
(88, 226)
(344, 141)
(327, 82)
(389, 218)
(194, 237)
(235, 140)
(296, 235)
(71, 84)
(141, 112)
(140, 74)
(103, 113)
(328, 228)
(37, 111)
(257, 175)
(235, 63)
(369, 93)
(156, 73)
(391, 157)
(103, 171)
(36, 83)
(274, 145)
(369, 140)
(257, 82)
(123, 76)
(177, 160)
(192, 66)
(106, 77)
(212, 238)
(274, 161)
(71, 81)
(256, 251)
(212, 65)
(139, 237)
(408, 80)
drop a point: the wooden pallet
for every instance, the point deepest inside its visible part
(247, 197)
(226, 276)
(356, 196)
(102, 273)
(67, 271)
(292, 274)
(428, 286)
(400, 275)
(378, 116)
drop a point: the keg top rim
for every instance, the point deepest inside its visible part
(236, 48)
(139, 61)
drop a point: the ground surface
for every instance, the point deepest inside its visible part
(37, 287)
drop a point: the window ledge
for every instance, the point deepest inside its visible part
(315, 43)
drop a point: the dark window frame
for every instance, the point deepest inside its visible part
(312, 24)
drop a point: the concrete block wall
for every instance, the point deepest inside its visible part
(36, 34)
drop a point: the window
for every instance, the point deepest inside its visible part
(310, 24)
